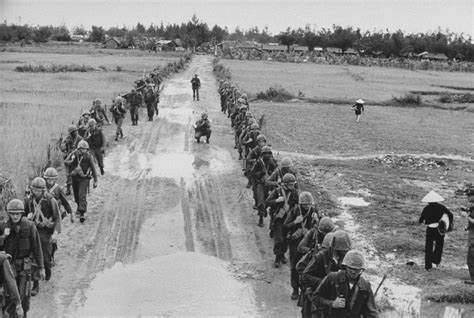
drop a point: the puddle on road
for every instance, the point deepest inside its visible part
(353, 201)
(183, 284)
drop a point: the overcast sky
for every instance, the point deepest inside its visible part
(408, 15)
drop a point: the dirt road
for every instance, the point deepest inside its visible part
(170, 230)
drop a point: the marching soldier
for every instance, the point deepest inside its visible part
(98, 112)
(82, 170)
(202, 127)
(96, 139)
(134, 99)
(53, 188)
(150, 102)
(118, 112)
(82, 123)
(297, 223)
(314, 237)
(263, 167)
(280, 201)
(68, 145)
(20, 239)
(11, 306)
(42, 209)
(277, 175)
(196, 85)
(346, 293)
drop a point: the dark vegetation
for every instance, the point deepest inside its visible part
(195, 33)
(54, 68)
(275, 94)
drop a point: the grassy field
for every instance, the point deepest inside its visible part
(343, 83)
(36, 107)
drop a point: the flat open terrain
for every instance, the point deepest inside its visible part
(36, 107)
(341, 83)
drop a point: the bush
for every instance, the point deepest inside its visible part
(53, 68)
(118, 68)
(275, 93)
(457, 293)
(457, 98)
(408, 99)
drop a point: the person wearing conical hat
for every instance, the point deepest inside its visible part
(438, 220)
(469, 214)
(358, 107)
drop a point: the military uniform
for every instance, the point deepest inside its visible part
(196, 85)
(260, 172)
(202, 128)
(68, 145)
(83, 169)
(97, 142)
(470, 238)
(118, 112)
(24, 245)
(134, 99)
(11, 296)
(150, 102)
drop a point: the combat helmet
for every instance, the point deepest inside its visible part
(288, 179)
(326, 225)
(342, 241)
(15, 206)
(261, 137)
(286, 162)
(254, 126)
(204, 116)
(91, 122)
(305, 198)
(354, 259)
(82, 145)
(71, 129)
(50, 173)
(266, 149)
(38, 183)
(248, 115)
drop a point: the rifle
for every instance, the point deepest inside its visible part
(383, 279)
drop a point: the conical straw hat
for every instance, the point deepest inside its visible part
(360, 101)
(432, 197)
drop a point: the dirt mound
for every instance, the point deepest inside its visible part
(407, 161)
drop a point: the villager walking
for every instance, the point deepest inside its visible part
(358, 108)
(438, 220)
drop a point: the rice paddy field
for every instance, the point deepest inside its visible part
(344, 83)
(38, 107)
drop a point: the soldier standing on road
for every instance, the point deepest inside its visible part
(358, 108)
(42, 209)
(346, 293)
(196, 85)
(280, 201)
(470, 238)
(134, 99)
(97, 142)
(68, 145)
(433, 214)
(297, 223)
(21, 240)
(150, 101)
(118, 112)
(11, 306)
(202, 127)
(262, 168)
(82, 170)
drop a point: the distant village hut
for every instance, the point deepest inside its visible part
(111, 43)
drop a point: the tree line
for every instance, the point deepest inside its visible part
(195, 32)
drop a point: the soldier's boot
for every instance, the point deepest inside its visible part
(68, 189)
(121, 134)
(116, 137)
(82, 217)
(102, 170)
(283, 259)
(240, 156)
(35, 289)
(295, 294)
(207, 140)
(260, 221)
(48, 274)
(277, 262)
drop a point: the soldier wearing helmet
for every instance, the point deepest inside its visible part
(280, 201)
(134, 99)
(42, 209)
(298, 222)
(20, 239)
(82, 170)
(202, 127)
(96, 139)
(118, 112)
(82, 123)
(53, 188)
(262, 168)
(68, 145)
(328, 258)
(346, 293)
(98, 112)
(322, 225)
(150, 102)
(286, 166)
(249, 141)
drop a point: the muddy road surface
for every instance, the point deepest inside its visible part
(170, 229)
